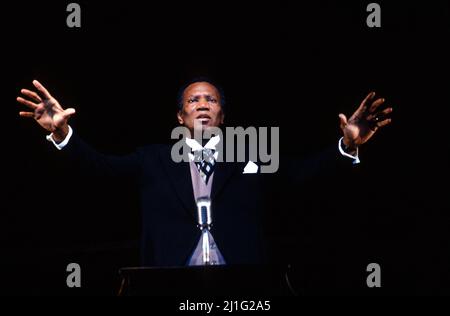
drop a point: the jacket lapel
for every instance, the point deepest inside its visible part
(222, 173)
(179, 175)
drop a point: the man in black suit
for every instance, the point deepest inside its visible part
(170, 236)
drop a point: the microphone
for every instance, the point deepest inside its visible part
(204, 217)
(204, 222)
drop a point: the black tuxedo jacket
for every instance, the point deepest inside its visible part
(239, 201)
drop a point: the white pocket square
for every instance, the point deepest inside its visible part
(251, 167)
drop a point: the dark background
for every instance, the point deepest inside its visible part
(296, 66)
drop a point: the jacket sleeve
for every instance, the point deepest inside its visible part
(325, 163)
(85, 158)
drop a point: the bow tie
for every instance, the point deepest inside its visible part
(205, 162)
(205, 154)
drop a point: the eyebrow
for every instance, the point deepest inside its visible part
(199, 95)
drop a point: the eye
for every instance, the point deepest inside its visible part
(191, 100)
(211, 99)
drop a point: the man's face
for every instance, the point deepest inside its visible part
(201, 101)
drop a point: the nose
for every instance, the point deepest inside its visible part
(203, 105)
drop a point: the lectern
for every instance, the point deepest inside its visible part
(225, 280)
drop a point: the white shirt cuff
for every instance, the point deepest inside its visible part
(62, 144)
(343, 153)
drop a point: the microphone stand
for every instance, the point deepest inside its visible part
(204, 224)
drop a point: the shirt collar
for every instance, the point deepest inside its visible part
(211, 144)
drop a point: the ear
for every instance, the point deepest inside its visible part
(180, 117)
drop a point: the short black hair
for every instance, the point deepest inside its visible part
(200, 79)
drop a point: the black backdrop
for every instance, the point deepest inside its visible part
(293, 66)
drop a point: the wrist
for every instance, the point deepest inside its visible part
(348, 146)
(61, 133)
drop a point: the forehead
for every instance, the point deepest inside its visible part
(201, 88)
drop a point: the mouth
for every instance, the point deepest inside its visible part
(203, 118)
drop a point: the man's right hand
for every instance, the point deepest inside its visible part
(46, 111)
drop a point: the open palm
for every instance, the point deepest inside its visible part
(365, 122)
(46, 110)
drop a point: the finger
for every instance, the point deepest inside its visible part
(32, 95)
(384, 122)
(365, 102)
(375, 105)
(41, 89)
(68, 112)
(30, 104)
(379, 115)
(343, 120)
(384, 113)
(26, 114)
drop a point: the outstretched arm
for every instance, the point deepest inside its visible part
(362, 125)
(51, 116)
